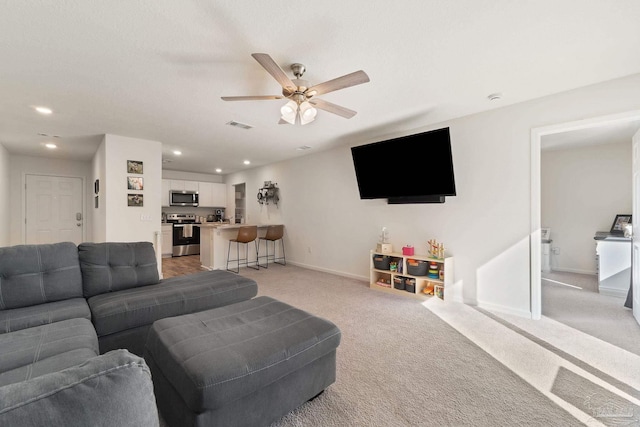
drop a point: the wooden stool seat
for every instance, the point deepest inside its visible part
(273, 234)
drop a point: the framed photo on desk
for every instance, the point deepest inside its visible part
(619, 223)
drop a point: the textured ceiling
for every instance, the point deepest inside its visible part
(156, 69)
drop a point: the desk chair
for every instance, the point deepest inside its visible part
(246, 235)
(274, 233)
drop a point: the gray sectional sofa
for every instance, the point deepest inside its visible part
(73, 324)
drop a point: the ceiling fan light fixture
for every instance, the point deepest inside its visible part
(289, 111)
(307, 113)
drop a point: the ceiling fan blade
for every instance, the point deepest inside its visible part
(274, 69)
(348, 80)
(251, 98)
(333, 108)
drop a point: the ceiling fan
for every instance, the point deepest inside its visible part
(302, 101)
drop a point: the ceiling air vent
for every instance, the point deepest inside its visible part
(303, 148)
(239, 125)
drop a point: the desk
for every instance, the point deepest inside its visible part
(214, 243)
(614, 264)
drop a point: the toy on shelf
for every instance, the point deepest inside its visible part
(383, 243)
(433, 270)
(428, 288)
(436, 250)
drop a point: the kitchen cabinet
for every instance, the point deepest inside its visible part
(167, 240)
(182, 185)
(166, 187)
(212, 195)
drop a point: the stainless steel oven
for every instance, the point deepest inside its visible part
(186, 234)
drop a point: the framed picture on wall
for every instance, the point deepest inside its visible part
(619, 223)
(135, 200)
(135, 183)
(134, 166)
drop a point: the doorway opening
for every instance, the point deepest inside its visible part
(240, 203)
(535, 231)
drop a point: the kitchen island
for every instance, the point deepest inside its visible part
(214, 243)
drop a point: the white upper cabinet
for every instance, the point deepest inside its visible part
(212, 195)
(182, 185)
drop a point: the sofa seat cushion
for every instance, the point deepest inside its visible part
(114, 266)
(42, 314)
(221, 355)
(119, 311)
(32, 352)
(36, 274)
(114, 389)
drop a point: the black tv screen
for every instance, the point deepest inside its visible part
(411, 169)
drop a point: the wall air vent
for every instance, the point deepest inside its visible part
(239, 125)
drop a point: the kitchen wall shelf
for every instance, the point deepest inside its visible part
(395, 281)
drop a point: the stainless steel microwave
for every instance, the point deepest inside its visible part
(183, 198)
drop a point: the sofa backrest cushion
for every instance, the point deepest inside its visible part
(37, 274)
(111, 266)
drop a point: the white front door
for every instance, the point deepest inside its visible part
(635, 219)
(53, 209)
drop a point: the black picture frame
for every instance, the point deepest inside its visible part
(619, 222)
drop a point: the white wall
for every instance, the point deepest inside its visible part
(4, 196)
(20, 166)
(583, 189)
(123, 223)
(486, 227)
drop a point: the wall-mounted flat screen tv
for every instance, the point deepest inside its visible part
(416, 168)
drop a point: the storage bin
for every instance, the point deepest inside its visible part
(398, 282)
(417, 267)
(410, 285)
(381, 262)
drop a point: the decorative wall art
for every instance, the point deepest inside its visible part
(134, 166)
(135, 183)
(135, 200)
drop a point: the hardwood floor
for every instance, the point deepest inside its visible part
(181, 265)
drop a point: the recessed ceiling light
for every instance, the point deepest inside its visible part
(218, 170)
(177, 152)
(51, 146)
(495, 96)
(44, 110)
(247, 162)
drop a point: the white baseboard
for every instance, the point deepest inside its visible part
(574, 270)
(327, 270)
(506, 310)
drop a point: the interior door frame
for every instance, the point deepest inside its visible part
(24, 202)
(535, 245)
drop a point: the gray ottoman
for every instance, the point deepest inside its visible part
(245, 364)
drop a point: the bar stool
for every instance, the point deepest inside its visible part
(274, 232)
(246, 235)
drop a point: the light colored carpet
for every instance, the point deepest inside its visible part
(586, 310)
(401, 365)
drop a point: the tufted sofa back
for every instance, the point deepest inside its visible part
(111, 266)
(37, 274)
